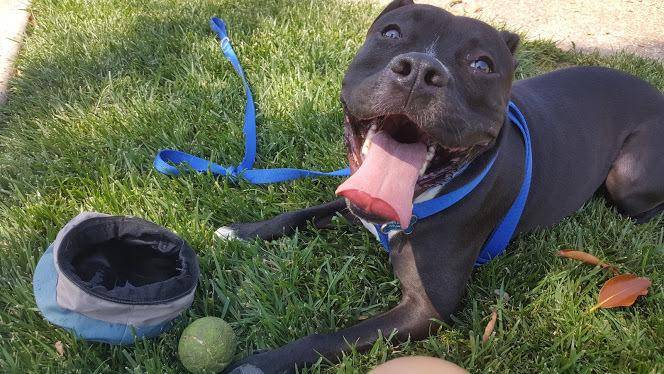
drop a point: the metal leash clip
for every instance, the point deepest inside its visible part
(395, 226)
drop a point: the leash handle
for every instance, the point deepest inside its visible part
(166, 158)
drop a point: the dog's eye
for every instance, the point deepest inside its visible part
(392, 32)
(482, 64)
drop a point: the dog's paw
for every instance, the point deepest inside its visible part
(261, 362)
(246, 369)
(227, 233)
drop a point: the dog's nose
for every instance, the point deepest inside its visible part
(408, 67)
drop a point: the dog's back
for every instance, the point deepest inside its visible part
(579, 119)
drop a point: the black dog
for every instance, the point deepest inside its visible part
(430, 90)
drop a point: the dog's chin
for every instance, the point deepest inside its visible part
(365, 216)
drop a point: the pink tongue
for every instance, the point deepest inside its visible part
(385, 182)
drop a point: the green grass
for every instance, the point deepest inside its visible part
(104, 84)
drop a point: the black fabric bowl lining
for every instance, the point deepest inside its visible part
(128, 260)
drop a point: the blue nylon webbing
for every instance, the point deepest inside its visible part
(166, 159)
(502, 235)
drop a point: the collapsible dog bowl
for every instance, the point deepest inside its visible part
(113, 279)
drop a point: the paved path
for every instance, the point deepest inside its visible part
(13, 19)
(604, 25)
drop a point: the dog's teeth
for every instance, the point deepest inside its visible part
(424, 167)
(365, 148)
(367, 140)
(430, 153)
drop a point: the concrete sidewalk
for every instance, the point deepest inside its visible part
(13, 19)
(606, 26)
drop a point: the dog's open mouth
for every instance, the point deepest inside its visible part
(393, 160)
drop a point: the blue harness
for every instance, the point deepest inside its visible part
(503, 233)
(166, 159)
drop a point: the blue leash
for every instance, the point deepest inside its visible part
(494, 247)
(165, 158)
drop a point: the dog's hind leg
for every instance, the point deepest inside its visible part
(635, 182)
(286, 224)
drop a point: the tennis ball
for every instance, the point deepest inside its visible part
(207, 345)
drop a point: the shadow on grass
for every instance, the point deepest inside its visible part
(93, 102)
(116, 93)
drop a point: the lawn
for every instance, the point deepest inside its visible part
(102, 85)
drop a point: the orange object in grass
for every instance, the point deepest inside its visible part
(418, 365)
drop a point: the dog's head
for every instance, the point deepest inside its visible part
(430, 90)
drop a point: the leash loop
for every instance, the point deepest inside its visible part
(166, 159)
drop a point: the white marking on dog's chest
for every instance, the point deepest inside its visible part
(370, 226)
(428, 194)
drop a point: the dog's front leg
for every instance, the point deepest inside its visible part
(412, 318)
(286, 224)
(407, 318)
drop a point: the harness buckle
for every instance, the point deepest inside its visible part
(395, 226)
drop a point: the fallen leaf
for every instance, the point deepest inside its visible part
(587, 258)
(490, 326)
(622, 290)
(59, 348)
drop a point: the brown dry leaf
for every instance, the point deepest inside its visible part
(622, 290)
(587, 258)
(60, 348)
(490, 326)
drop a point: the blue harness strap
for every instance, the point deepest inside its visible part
(496, 244)
(502, 234)
(166, 159)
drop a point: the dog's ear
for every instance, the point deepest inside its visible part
(511, 39)
(394, 5)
